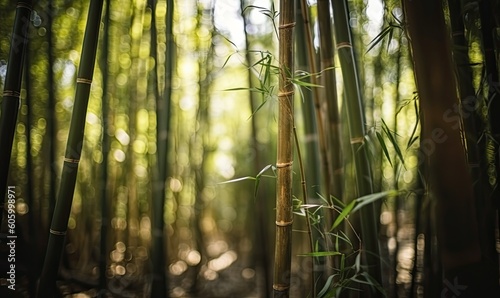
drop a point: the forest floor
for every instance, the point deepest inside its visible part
(230, 282)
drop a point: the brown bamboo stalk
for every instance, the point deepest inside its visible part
(441, 145)
(284, 205)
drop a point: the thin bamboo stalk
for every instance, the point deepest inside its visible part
(284, 205)
(106, 147)
(329, 82)
(51, 117)
(356, 121)
(33, 258)
(261, 252)
(12, 92)
(320, 122)
(311, 158)
(62, 209)
(333, 125)
(160, 277)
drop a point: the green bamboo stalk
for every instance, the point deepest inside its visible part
(261, 252)
(74, 146)
(333, 130)
(106, 147)
(51, 117)
(12, 92)
(198, 144)
(160, 277)
(320, 122)
(356, 122)
(284, 205)
(311, 158)
(33, 258)
(329, 82)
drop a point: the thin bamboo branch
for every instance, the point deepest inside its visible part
(308, 217)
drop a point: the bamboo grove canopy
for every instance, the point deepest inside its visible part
(253, 148)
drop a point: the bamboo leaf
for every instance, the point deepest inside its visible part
(413, 138)
(320, 254)
(298, 82)
(337, 201)
(345, 212)
(379, 37)
(384, 147)
(393, 140)
(368, 199)
(357, 263)
(238, 180)
(325, 288)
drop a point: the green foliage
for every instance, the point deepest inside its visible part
(257, 178)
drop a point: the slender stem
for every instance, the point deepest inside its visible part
(308, 216)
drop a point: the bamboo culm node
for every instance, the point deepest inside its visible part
(359, 140)
(286, 26)
(286, 94)
(284, 223)
(11, 93)
(281, 287)
(281, 165)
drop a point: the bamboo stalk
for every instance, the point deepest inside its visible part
(329, 82)
(261, 252)
(320, 122)
(333, 130)
(473, 128)
(51, 117)
(284, 205)
(160, 277)
(106, 147)
(450, 181)
(12, 92)
(33, 258)
(74, 146)
(311, 158)
(356, 122)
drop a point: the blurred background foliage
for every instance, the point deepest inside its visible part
(219, 235)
